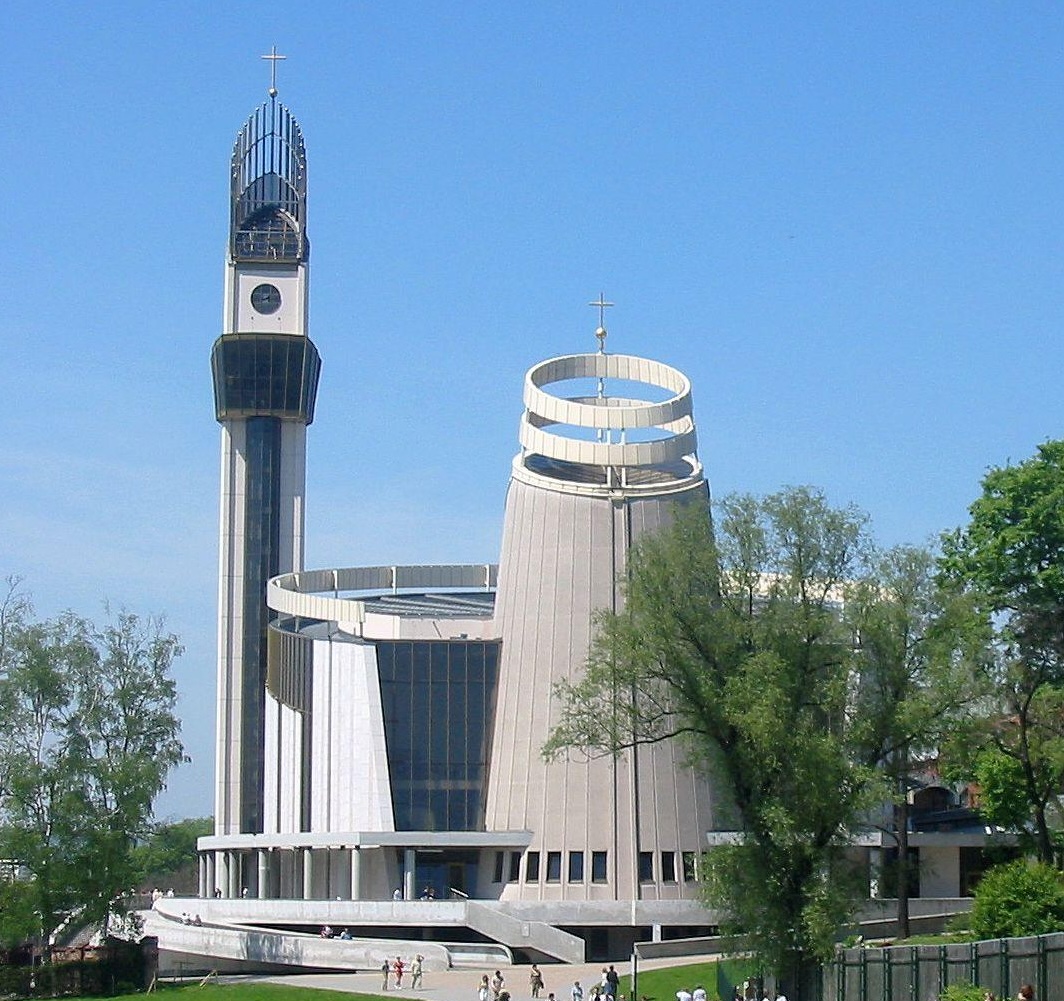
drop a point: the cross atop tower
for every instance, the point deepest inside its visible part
(273, 57)
(601, 332)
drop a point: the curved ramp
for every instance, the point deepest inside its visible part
(188, 948)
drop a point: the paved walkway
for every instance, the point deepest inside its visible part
(461, 985)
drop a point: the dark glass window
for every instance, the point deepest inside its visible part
(498, 867)
(532, 867)
(576, 867)
(646, 867)
(437, 700)
(668, 867)
(554, 867)
(265, 374)
(515, 866)
(598, 867)
(690, 867)
(262, 528)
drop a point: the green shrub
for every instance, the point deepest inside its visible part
(1020, 898)
(961, 992)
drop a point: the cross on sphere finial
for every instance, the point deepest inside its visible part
(273, 57)
(602, 306)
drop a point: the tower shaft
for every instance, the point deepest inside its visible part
(265, 371)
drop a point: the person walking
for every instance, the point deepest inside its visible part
(482, 990)
(397, 969)
(385, 968)
(415, 972)
(496, 985)
(535, 981)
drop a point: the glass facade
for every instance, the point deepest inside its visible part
(262, 533)
(576, 867)
(438, 701)
(265, 374)
(598, 867)
(668, 867)
(554, 867)
(690, 867)
(646, 867)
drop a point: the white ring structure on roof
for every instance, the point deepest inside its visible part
(304, 593)
(557, 428)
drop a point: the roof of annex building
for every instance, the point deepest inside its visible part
(348, 595)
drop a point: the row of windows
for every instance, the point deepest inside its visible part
(508, 864)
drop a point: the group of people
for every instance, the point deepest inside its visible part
(495, 988)
(1025, 993)
(698, 994)
(397, 968)
(429, 893)
(748, 992)
(604, 990)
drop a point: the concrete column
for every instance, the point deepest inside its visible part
(410, 874)
(211, 884)
(201, 876)
(308, 873)
(288, 879)
(233, 866)
(264, 873)
(356, 874)
(221, 860)
(875, 872)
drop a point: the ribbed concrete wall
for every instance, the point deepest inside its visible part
(563, 552)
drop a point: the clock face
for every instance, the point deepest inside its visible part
(265, 299)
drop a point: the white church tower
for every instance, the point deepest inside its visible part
(608, 452)
(265, 370)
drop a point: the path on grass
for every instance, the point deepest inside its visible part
(461, 985)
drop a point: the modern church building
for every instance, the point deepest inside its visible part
(380, 728)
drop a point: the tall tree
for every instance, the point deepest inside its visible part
(732, 641)
(913, 683)
(90, 735)
(167, 854)
(1010, 561)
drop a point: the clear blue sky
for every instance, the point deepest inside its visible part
(842, 220)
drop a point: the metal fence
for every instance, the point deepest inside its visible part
(921, 972)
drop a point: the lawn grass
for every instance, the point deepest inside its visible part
(662, 984)
(249, 991)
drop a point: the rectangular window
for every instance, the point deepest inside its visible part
(690, 867)
(668, 867)
(576, 867)
(598, 867)
(498, 867)
(515, 866)
(554, 867)
(532, 867)
(646, 867)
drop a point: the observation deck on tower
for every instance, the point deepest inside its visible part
(268, 190)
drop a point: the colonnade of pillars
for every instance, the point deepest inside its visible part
(292, 873)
